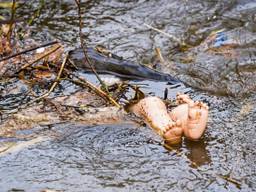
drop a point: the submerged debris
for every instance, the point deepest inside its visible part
(80, 107)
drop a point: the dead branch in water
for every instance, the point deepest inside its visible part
(159, 55)
(41, 57)
(84, 48)
(166, 34)
(99, 92)
(230, 180)
(54, 83)
(28, 50)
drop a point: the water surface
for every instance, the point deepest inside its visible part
(124, 157)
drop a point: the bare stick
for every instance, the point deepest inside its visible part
(84, 47)
(166, 34)
(55, 82)
(9, 34)
(101, 93)
(28, 50)
(159, 55)
(41, 57)
(231, 180)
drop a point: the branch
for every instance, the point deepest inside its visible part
(84, 48)
(9, 34)
(28, 50)
(55, 83)
(38, 59)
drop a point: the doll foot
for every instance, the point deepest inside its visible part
(193, 116)
(174, 134)
(197, 120)
(154, 112)
(184, 98)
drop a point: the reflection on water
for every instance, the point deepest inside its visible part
(197, 152)
(148, 87)
(122, 157)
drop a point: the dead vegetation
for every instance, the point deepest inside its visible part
(41, 69)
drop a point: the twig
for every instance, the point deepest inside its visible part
(8, 21)
(55, 82)
(9, 34)
(39, 58)
(101, 93)
(28, 50)
(84, 47)
(159, 55)
(166, 34)
(37, 12)
(231, 180)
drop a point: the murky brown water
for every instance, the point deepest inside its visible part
(127, 158)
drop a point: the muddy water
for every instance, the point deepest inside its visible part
(124, 157)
